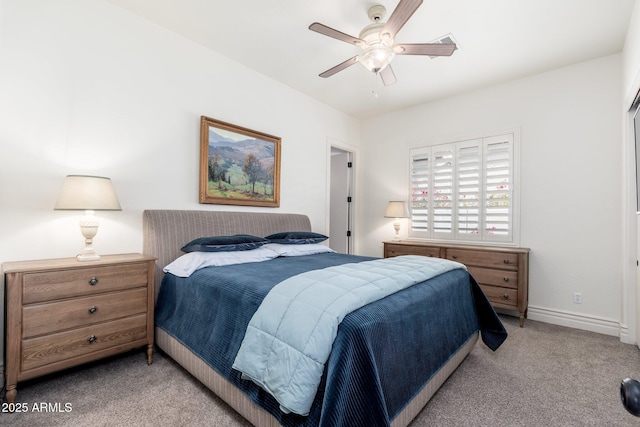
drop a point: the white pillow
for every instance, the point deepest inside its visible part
(185, 265)
(297, 250)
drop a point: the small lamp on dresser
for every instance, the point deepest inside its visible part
(89, 194)
(396, 209)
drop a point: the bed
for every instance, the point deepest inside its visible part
(381, 371)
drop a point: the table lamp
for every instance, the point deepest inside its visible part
(396, 209)
(88, 193)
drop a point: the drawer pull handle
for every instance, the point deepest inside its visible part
(93, 281)
(431, 255)
(506, 261)
(454, 256)
(506, 279)
(505, 296)
(93, 309)
(92, 339)
(393, 251)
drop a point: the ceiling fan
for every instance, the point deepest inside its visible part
(377, 41)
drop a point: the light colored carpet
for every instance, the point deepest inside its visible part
(543, 375)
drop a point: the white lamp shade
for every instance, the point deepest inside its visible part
(83, 192)
(397, 209)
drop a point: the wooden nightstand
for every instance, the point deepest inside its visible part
(62, 312)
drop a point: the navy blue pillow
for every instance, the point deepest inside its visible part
(238, 242)
(296, 238)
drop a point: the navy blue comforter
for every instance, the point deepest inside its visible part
(383, 354)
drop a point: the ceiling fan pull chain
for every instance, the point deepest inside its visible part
(373, 85)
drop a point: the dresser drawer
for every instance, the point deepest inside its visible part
(52, 285)
(484, 258)
(392, 250)
(37, 352)
(489, 276)
(39, 319)
(505, 297)
(502, 272)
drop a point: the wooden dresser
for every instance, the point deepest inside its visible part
(62, 312)
(501, 272)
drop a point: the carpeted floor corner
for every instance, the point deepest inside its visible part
(543, 375)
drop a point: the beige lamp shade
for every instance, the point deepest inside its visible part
(89, 194)
(397, 209)
(83, 192)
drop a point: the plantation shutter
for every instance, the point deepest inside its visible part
(443, 190)
(469, 161)
(463, 191)
(419, 205)
(498, 188)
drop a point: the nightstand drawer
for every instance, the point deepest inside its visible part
(484, 258)
(489, 276)
(37, 352)
(392, 250)
(39, 319)
(501, 296)
(52, 285)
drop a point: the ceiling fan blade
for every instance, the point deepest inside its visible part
(431, 49)
(400, 16)
(331, 71)
(328, 31)
(388, 76)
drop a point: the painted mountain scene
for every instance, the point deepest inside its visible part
(241, 168)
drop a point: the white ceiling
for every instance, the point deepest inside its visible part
(498, 40)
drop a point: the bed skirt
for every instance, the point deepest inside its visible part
(257, 416)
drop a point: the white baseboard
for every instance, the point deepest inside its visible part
(624, 335)
(577, 321)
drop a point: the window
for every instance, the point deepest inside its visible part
(464, 190)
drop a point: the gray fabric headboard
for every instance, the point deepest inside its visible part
(166, 231)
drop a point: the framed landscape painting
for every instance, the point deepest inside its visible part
(238, 166)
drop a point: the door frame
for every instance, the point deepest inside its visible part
(629, 318)
(353, 224)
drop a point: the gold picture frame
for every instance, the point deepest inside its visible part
(238, 166)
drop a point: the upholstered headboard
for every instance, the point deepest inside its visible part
(166, 231)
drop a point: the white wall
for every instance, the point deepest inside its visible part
(90, 88)
(571, 184)
(87, 87)
(631, 54)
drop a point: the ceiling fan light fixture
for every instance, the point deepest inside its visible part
(377, 41)
(376, 57)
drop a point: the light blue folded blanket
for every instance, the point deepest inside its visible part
(290, 336)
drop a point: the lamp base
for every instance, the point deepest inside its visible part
(88, 253)
(89, 228)
(396, 226)
(88, 257)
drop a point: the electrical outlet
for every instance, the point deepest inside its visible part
(577, 298)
